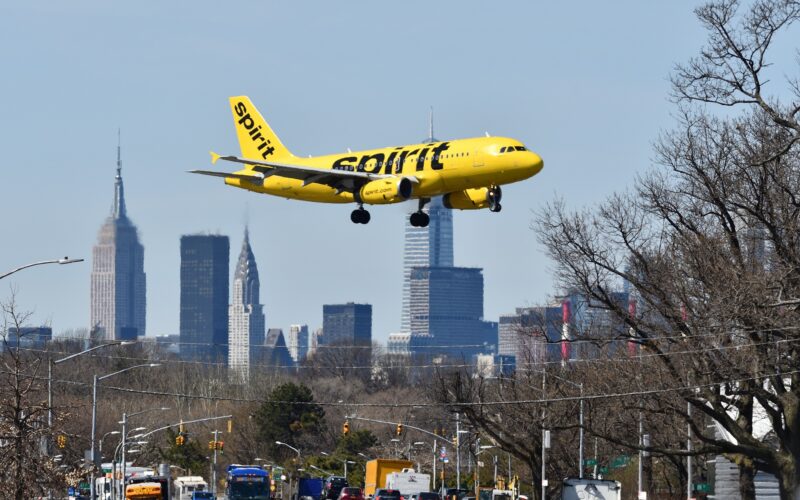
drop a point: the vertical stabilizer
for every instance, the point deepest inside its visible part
(256, 138)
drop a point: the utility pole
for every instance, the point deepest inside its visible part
(689, 449)
(434, 465)
(458, 450)
(544, 438)
(214, 466)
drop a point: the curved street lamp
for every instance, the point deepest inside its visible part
(65, 260)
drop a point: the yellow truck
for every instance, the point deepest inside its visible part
(378, 469)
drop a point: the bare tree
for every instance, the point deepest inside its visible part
(710, 246)
(26, 469)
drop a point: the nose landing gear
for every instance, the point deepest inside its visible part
(420, 218)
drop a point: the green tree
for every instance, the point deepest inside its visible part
(288, 415)
(191, 455)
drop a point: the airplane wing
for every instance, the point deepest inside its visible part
(341, 180)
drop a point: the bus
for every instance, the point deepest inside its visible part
(247, 482)
(143, 491)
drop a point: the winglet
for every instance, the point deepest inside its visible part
(214, 157)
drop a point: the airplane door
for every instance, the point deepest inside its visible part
(477, 158)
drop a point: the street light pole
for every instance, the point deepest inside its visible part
(124, 423)
(92, 487)
(67, 358)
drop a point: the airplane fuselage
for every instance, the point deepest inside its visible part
(438, 167)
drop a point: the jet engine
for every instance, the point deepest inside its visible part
(385, 191)
(472, 199)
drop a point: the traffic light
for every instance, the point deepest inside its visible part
(179, 440)
(61, 441)
(455, 440)
(230, 426)
(221, 446)
(399, 429)
(346, 428)
(181, 430)
(212, 445)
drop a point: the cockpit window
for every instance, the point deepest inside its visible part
(521, 148)
(503, 149)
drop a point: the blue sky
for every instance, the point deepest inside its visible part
(584, 84)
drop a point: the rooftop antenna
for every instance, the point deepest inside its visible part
(430, 128)
(430, 138)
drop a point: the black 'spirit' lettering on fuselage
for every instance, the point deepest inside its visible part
(395, 159)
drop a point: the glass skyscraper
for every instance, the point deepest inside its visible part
(347, 324)
(430, 246)
(204, 297)
(118, 291)
(447, 310)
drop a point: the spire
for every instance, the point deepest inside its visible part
(430, 138)
(246, 273)
(430, 129)
(118, 210)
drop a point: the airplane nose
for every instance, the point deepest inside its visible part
(535, 165)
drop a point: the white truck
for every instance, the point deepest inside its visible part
(408, 482)
(184, 486)
(591, 489)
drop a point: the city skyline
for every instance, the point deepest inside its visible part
(593, 137)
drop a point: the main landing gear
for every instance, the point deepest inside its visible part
(420, 218)
(359, 215)
(494, 195)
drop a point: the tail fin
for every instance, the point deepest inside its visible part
(256, 138)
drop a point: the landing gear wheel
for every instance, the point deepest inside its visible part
(496, 207)
(359, 216)
(420, 219)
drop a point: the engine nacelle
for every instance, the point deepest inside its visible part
(468, 199)
(385, 191)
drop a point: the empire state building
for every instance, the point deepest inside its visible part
(118, 278)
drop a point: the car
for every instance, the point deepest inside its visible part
(333, 486)
(351, 493)
(386, 494)
(455, 493)
(426, 495)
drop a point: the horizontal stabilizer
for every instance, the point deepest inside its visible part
(250, 178)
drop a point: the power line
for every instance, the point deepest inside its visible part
(519, 365)
(639, 393)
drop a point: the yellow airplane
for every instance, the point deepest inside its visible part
(467, 173)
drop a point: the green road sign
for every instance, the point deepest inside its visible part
(702, 487)
(603, 470)
(590, 462)
(620, 461)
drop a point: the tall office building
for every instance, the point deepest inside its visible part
(347, 324)
(118, 280)
(204, 297)
(430, 246)
(245, 315)
(447, 309)
(298, 342)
